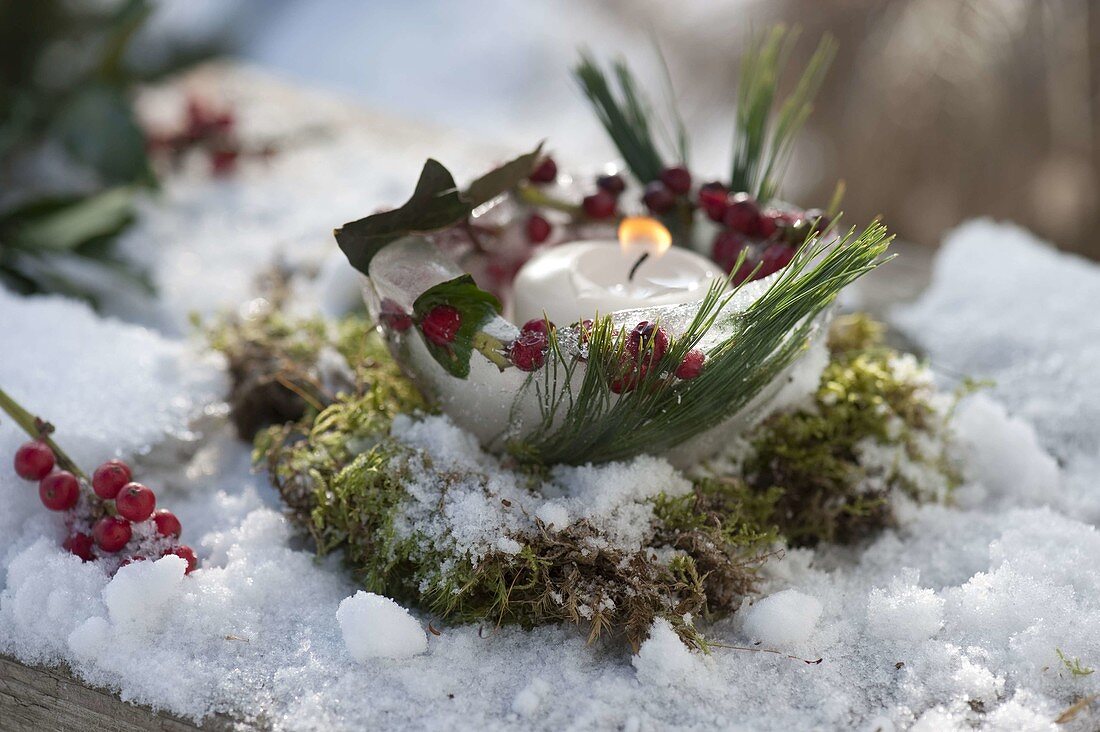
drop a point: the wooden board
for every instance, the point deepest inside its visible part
(34, 699)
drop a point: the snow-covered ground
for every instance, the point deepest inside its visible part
(955, 619)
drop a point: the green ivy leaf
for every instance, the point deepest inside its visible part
(476, 306)
(435, 204)
(502, 179)
(64, 224)
(98, 128)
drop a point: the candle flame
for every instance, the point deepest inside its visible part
(641, 233)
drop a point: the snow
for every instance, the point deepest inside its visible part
(786, 619)
(954, 619)
(374, 626)
(904, 611)
(663, 659)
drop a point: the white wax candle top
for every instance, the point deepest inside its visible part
(574, 281)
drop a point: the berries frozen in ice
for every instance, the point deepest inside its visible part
(658, 198)
(393, 316)
(691, 365)
(538, 229)
(441, 324)
(613, 184)
(743, 215)
(677, 178)
(545, 172)
(599, 205)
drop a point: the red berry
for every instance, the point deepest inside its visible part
(613, 184)
(186, 553)
(727, 246)
(34, 460)
(817, 218)
(677, 178)
(111, 533)
(714, 200)
(647, 343)
(59, 490)
(393, 316)
(623, 384)
(167, 523)
(745, 271)
(223, 160)
(538, 325)
(131, 560)
(528, 351)
(658, 198)
(692, 364)
(135, 502)
(766, 226)
(538, 229)
(599, 205)
(743, 215)
(81, 545)
(441, 324)
(108, 478)
(775, 257)
(545, 172)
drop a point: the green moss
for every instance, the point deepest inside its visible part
(345, 480)
(812, 458)
(274, 364)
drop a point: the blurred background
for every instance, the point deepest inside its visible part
(934, 111)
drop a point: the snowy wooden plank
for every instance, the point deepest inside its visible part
(34, 699)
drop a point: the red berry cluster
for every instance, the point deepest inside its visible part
(207, 129)
(645, 346)
(769, 237)
(117, 513)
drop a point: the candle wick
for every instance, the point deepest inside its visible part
(637, 264)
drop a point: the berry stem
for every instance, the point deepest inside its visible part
(33, 426)
(535, 197)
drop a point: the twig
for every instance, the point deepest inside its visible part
(765, 650)
(39, 429)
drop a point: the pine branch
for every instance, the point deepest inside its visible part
(594, 425)
(624, 115)
(763, 145)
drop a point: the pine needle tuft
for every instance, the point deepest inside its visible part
(763, 145)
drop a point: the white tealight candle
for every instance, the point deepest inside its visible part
(574, 281)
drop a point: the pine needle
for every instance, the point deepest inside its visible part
(625, 115)
(763, 145)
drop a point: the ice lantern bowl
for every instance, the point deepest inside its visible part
(678, 379)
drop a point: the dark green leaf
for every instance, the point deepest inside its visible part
(97, 127)
(503, 179)
(475, 306)
(57, 224)
(127, 20)
(435, 204)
